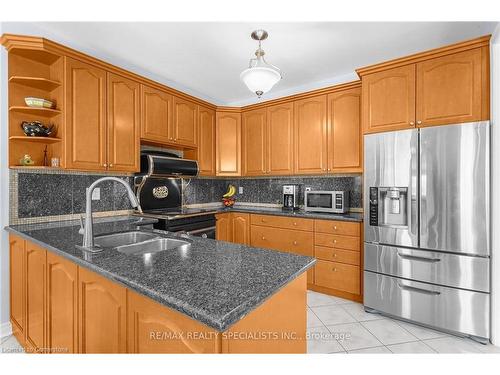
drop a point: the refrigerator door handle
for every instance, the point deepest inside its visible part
(417, 258)
(418, 290)
(413, 211)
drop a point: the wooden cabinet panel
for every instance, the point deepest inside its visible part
(62, 305)
(156, 122)
(338, 276)
(280, 146)
(337, 241)
(282, 222)
(185, 125)
(123, 124)
(153, 328)
(85, 129)
(449, 89)
(293, 241)
(228, 143)
(310, 134)
(240, 224)
(337, 227)
(17, 286)
(103, 317)
(254, 155)
(344, 131)
(223, 227)
(388, 100)
(206, 141)
(337, 255)
(36, 258)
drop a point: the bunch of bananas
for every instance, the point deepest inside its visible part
(231, 191)
(228, 198)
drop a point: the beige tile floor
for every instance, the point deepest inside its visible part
(336, 325)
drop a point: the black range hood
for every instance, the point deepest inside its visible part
(166, 164)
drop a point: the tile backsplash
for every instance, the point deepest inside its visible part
(269, 190)
(37, 196)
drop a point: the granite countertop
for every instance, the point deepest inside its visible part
(214, 282)
(278, 211)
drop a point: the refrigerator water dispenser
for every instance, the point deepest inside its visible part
(388, 206)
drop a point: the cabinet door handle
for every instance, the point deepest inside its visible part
(419, 122)
(105, 165)
(412, 123)
(111, 165)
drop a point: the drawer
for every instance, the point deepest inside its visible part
(459, 271)
(344, 277)
(282, 222)
(441, 307)
(345, 228)
(337, 255)
(337, 242)
(293, 241)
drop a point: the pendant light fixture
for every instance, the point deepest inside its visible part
(260, 76)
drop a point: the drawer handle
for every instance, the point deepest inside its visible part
(334, 227)
(421, 259)
(419, 290)
(295, 242)
(334, 241)
(263, 220)
(295, 223)
(334, 255)
(263, 237)
(334, 269)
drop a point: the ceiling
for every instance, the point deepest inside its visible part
(205, 59)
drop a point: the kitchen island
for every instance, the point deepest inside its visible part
(208, 297)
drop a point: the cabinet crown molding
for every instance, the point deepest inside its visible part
(482, 41)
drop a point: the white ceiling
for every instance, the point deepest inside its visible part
(205, 59)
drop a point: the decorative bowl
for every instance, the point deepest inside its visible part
(36, 129)
(38, 102)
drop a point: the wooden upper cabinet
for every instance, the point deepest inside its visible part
(36, 258)
(85, 113)
(228, 143)
(17, 286)
(185, 122)
(450, 89)
(310, 130)
(156, 122)
(62, 305)
(206, 141)
(240, 223)
(344, 131)
(280, 139)
(123, 124)
(103, 315)
(389, 100)
(254, 156)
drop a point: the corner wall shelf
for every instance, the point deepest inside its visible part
(46, 112)
(35, 139)
(36, 82)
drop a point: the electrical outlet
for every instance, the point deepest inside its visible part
(240, 190)
(96, 194)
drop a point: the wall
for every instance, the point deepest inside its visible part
(495, 187)
(269, 190)
(4, 199)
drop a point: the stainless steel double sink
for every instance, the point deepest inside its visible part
(138, 243)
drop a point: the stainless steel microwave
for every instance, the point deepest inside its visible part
(327, 201)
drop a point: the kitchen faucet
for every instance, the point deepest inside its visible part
(88, 235)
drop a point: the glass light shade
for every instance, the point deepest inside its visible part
(260, 79)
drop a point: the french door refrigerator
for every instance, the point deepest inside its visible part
(427, 226)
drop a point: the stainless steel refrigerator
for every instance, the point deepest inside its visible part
(427, 226)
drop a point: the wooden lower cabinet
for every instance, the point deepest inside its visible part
(17, 286)
(339, 276)
(103, 314)
(223, 228)
(35, 325)
(153, 328)
(62, 305)
(240, 226)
